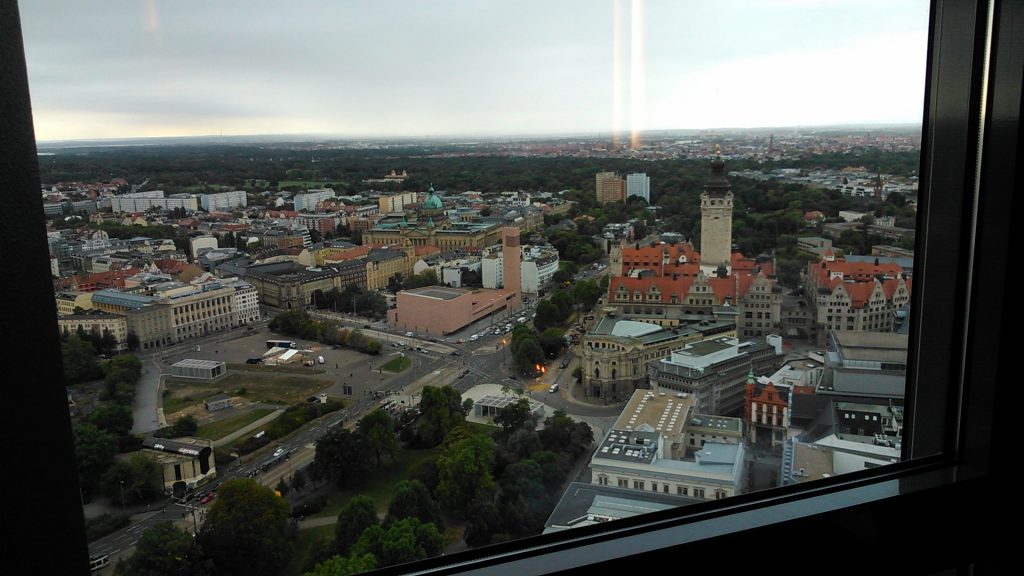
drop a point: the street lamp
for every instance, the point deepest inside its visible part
(122, 496)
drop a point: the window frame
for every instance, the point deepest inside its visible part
(958, 360)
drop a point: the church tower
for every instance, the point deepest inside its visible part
(716, 220)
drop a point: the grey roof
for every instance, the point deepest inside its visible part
(118, 298)
(584, 504)
(629, 446)
(438, 292)
(869, 383)
(194, 363)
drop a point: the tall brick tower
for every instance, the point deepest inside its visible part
(511, 266)
(716, 220)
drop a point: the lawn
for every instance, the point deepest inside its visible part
(380, 486)
(260, 386)
(221, 428)
(396, 364)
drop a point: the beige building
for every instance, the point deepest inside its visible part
(397, 202)
(609, 187)
(289, 285)
(153, 325)
(68, 300)
(185, 463)
(383, 264)
(616, 352)
(95, 324)
(439, 310)
(459, 235)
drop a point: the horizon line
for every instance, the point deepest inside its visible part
(594, 134)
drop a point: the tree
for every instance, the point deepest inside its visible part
(527, 355)
(551, 342)
(344, 566)
(515, 416)
(79, 359)
(524, 497)
(464, 472)
(132, 340)
(116, 419)
(548, 315)
(138, 480)
(358, 514)
(94, 452)
(246, 529)
(379, 430)
(282, 487)
(413, 500)
(162, 549)
(403, 541)
(441, 410)
(342, 456)
(586, 293)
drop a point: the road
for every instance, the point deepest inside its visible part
(458, 360)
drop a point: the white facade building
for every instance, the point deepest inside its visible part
(307, 201)
(201, 242)
(638, 184)
(538, 266)
(247, 303)
(645, 450)
(224, 200)
(142, 201)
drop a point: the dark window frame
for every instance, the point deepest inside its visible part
(959, 359)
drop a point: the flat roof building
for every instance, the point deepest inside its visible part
(199, 369)
(439, 310)
(645, 450)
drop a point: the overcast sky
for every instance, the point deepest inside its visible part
(111, 69)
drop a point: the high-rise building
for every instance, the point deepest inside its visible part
(511, 266)
(639, 184)
(609, 187)
(716, 220)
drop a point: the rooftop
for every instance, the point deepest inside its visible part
(586, 504)
(663, 413)
(716, 423)
(193, 363)
(437, 292)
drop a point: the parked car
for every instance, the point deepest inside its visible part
(474, 337)
(553, 388)
(409, 334)
(455, 353)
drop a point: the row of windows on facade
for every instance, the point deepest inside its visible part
(681, 490)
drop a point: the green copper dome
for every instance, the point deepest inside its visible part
(433, 202)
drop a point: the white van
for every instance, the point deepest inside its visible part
(553, 388)
(320, 359)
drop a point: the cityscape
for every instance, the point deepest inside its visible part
(356, 286)
(469, 366)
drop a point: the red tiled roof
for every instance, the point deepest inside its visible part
(357, 252)
(424, 250)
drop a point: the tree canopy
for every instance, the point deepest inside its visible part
(246, 530)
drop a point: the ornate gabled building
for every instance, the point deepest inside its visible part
(857, 296)
(673, 284)
(766, 412)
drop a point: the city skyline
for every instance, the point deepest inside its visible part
(471, 69)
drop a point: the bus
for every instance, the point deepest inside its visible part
(280, 344)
